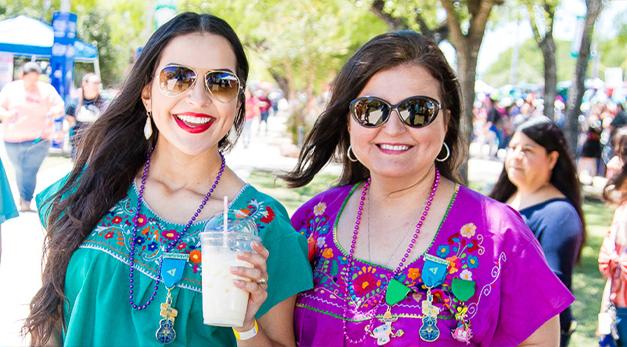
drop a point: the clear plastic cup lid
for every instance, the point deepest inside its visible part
(237, 222)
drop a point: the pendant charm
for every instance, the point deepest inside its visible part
(429, 331)
(384, 332)
(165, 333)
(462, 333)
(148, 128)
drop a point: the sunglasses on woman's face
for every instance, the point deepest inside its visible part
(175, 79)
(416, 111)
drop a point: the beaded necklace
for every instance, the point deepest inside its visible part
(410, 247)
(171, 244)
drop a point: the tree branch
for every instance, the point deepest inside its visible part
(534, 24)
(479, 21)
(392, 22)
(455, 30)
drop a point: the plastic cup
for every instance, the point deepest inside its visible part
(224, 304)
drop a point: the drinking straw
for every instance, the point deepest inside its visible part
(226, 220)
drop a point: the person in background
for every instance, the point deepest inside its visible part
(615, 165)
(27, 109)
(613, 254)
(265, 105)
(84, 111)
(252, 112)
(402, 252)
(8, 209)
(539, 180)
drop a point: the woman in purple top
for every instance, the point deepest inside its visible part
(403, 255)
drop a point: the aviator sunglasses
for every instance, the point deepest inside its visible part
(175, 79)
(415, 111)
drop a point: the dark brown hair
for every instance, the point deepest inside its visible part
(547, 134)
(330, 138)
(113, 151)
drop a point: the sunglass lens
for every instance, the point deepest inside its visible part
(371, 112)
(418, 112)
(223, 85)
(176, 79)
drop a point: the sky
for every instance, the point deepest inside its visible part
(504, 36)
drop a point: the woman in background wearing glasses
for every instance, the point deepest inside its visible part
(403, 255)
(146, 164)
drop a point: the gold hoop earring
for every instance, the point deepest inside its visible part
(348, 154)
(448, 153)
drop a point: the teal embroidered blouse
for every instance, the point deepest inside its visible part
(97, 310)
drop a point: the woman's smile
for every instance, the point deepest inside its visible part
(194, 123)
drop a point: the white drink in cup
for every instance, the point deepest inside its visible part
(224, 304)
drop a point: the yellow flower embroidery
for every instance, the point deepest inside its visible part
(468, 230)
(327, 253)
(413, 273)
(320, 208)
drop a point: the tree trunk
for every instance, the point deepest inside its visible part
(577, 89)
(547, 45)
(466, 72)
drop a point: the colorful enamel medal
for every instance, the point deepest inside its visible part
(462, 290)
(395, 293)
(172, 267)
(433, 274)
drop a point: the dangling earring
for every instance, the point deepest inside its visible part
(448, 153)
(348, 154)
(148, 126)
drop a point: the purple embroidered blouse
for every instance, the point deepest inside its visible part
(483, 240)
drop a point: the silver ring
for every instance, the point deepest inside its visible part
(262, 282)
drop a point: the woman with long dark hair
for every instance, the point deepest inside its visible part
(402, 253)
(539, 179)
(149, 173)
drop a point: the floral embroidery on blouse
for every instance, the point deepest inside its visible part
(113, 235)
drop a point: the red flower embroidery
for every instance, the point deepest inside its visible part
(269, 216)
(311, 247)
(195, 256)
(170, 234)
(366, 281)
(181, 246)
(116, 220)
(141, 220)
(108, 235)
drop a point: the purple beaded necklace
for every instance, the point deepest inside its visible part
(171, 244)
(410, 247)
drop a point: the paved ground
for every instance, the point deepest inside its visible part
(22, 237)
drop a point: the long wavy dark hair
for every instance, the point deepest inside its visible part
(547, 134)
(113, 151)
(329, 138)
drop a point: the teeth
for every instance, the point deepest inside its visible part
(394, 147)
(194, 120)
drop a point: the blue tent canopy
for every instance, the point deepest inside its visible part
(27, 36)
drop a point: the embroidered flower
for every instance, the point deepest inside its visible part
(466, 275)
(413, 273)
(327, 253)
(454, 264)
(153, 246)
(320, 242)
(365, 280)
(139, 240)
(170, 234)
(116, 220)
(141, 220)
(443, 251)
(268, 215)
(320, 208)
(311, 248)
(108, 235)
(181, 246)
(195, 256)
(473, 262)
(468, 230)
